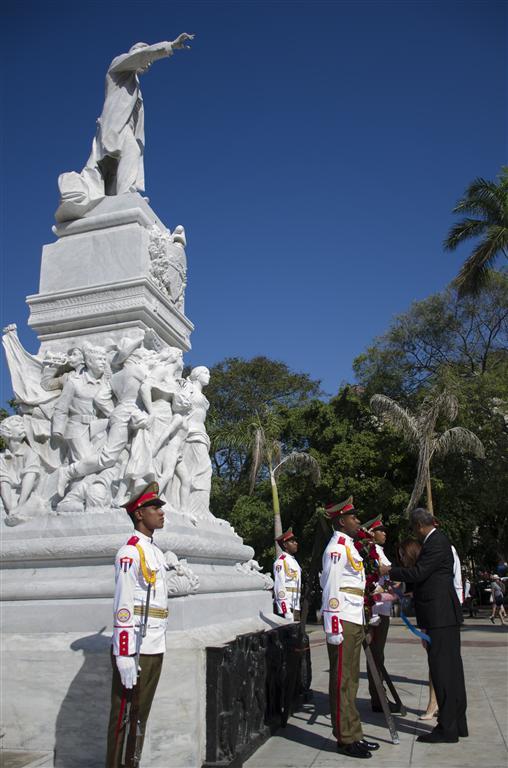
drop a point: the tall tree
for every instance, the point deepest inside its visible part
(485, 205)
(438, 337)
(262, 438)
(419, 432)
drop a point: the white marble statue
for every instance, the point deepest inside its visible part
(20, 468)
(98, 421)
(196, 454)
(115, 165)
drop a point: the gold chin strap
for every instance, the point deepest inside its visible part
(148, 575)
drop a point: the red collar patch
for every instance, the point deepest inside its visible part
(133, 540)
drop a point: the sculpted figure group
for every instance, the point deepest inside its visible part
(96, 422)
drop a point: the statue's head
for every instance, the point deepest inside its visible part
(201, 374)
(95, 359)
(13, 428)
(139, 47)
(75, 357)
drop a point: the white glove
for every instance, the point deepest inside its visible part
(334, 639)
(128, 672)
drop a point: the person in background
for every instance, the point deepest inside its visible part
(287, 577)
(497, 593)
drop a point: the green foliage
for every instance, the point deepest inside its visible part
(485, 204)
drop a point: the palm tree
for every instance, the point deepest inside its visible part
(419, 432)
(267, 450)
(261, 438)
(485, 205)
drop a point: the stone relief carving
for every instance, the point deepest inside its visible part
(96, 423)
(252, 567)
(181, 579)
(168, 263)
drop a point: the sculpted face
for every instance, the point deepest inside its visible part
(76, 358)
(13, 428)
(96, 361)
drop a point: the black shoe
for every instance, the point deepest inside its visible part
(492, 620)
(356, 749)
(394, 708)
(371, 746)
(437, 737)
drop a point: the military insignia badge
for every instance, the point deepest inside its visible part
(278, 568)
(333, 603)
(123, 615)
(125, 563)
(335, 556)
(282, 593)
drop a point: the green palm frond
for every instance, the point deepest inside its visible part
(462, 231)
(487, 202)
(475, 270)
(459, 440)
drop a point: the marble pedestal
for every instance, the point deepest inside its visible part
(97, 280)
(57, 591)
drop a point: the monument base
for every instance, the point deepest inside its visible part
(57, 590)
(56, 695)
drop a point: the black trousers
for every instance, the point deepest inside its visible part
(447, 673)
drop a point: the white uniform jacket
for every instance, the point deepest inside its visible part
(131, 589)
(343, 585)
(288, 584)
(382, 608)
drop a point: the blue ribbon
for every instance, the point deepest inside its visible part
(409, 624)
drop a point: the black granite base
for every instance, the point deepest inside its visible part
(253, 684)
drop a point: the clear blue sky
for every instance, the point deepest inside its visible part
(313, 151)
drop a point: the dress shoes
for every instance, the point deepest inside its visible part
(437, 737)
(355, 749)
(394, 709)
(371, 746)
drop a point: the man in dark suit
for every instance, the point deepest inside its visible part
(439, 614)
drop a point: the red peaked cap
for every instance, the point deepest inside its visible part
(377, 526)
(342, 508)
(285, 536)
(149, 497)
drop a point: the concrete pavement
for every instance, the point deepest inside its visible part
(307, 742)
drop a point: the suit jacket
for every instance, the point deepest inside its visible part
(436, 601)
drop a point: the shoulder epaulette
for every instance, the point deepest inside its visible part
(341, 540)
(133, 541)
(281, 557)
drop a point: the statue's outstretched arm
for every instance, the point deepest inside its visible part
(143, 57)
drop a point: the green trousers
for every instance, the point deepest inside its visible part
(151, 666)
(377, 645)
(344, 679)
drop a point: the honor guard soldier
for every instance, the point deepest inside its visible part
(287, 577)
(380, 621)
(343, 585)
(139, 634)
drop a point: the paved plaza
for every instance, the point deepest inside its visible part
(306, 742)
